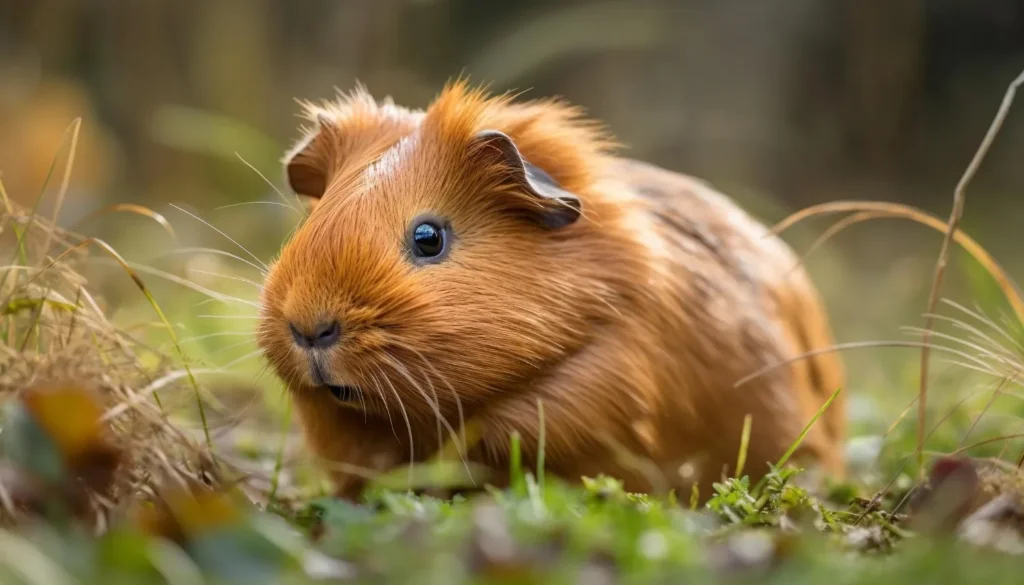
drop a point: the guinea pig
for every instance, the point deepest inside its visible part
(485, 256)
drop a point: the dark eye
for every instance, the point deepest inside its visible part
(429, 239)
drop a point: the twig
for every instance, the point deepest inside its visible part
(940, 265)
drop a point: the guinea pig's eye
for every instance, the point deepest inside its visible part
(429, 239)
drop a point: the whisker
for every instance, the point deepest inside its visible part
(437, 413)
(408, 426)
(362, 405)
(228, 277)
(211, 335)
(383, 400)
(221, 350)
(241, 359)
(142, 395)
(455, 395)
(435, 406)
(202, 250)
(274, 187)
(183, 282)
(244, 203)
(204, 302)
(361, 393)
(230, 239)
(237, 417)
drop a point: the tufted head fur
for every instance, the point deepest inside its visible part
(522, 284)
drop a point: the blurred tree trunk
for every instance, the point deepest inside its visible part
(231, 59)
(138, 68)
(885, 54)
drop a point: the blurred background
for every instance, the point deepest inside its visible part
(780, 104)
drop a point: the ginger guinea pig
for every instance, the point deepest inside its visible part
(471, 260)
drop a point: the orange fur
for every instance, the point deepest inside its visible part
(631, 325)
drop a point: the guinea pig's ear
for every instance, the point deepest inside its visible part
(556, 207)
(308, 163)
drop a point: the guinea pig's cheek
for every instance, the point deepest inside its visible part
(370, 340)
(276, 347)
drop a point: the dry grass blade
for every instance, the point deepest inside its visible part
(31, 222)
(870, 210)
(833, 230)
(851, 345)
(83, 347)
(76, 127)
(940, 265)
(982, 352)
(160, 315)
(873, 210)
(5, 198)
(981, 338)
(998, 439)
(129, 208)
(979, 315)
(988, 405)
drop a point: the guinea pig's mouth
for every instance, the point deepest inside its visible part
(343, 393)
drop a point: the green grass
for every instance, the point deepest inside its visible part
(550, 533)
(270, 520)
(539, 530)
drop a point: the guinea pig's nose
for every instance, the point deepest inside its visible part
(323, 335)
